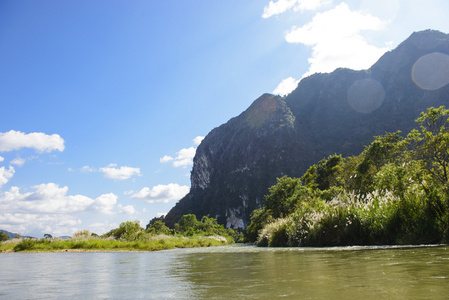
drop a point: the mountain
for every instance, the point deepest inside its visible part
(336, 112)
(10, 234)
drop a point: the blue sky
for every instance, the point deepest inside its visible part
(103, 103)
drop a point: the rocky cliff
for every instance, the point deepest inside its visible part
(338, 112)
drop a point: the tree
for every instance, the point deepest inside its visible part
(158, 227)
(326, 170)
(259, 218)
(129, 231)
(281, 201)
(432, 141)
(384, 149)
(3, 236)
(48, 236)
(154, 220)
(187, 222)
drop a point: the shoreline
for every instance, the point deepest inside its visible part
(303, 249)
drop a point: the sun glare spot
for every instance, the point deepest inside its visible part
(431, 71)
(366, 95)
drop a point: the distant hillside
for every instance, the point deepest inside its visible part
(10, 234)
(338, 112)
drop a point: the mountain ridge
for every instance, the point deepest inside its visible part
(337, 112)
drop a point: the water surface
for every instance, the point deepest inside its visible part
(242, 272)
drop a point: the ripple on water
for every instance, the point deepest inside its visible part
(237, 271)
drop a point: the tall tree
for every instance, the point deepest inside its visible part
(432, 141)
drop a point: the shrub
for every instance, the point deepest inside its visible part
(25, 245)
(276, 234)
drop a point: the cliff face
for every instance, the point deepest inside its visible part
(236, 162)
(339, 112)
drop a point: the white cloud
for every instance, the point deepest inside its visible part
(127, 209)
(111, 171)
(47, 198)
(1, 158)
(87, 169)
(55, 224)
(18, 161)
(286, 86)
(50, 198)
(48, 209)
(281, 6)
(198, 140)
(41, 142)
(184, 157)
(336, 39)
(162, 193)
(166, 159)
(105, 203)
(5, 175)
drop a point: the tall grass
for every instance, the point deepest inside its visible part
(375, 219)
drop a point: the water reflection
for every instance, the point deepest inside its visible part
(242, 272)
(431, 71)
(366, 95)
(319, 274)
(91, 276)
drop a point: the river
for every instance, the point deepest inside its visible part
(230, 272)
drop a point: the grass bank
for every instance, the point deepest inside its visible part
(98, 244)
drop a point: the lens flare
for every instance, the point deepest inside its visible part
(366, 95)
(431, 71)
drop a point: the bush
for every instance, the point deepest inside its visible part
(127, 231)
(276, 234)
(158, 227)
(25, 245)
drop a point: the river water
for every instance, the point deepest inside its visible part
(230, 272)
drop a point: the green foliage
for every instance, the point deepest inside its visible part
(154, 220)
(323, 175)
(282, 198)
(432, 142)
(189, 226)
(158, 227)
(130, 236)
(153, 243)
(24, 245)
(3, 236)
(395, 192)
(127, 231)
(326, 170)
(275, 234)
(384, 149)
(259, 218)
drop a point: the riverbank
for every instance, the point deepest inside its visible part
(98, 244)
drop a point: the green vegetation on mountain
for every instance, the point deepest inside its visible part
(395, 192)
(129, 236)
